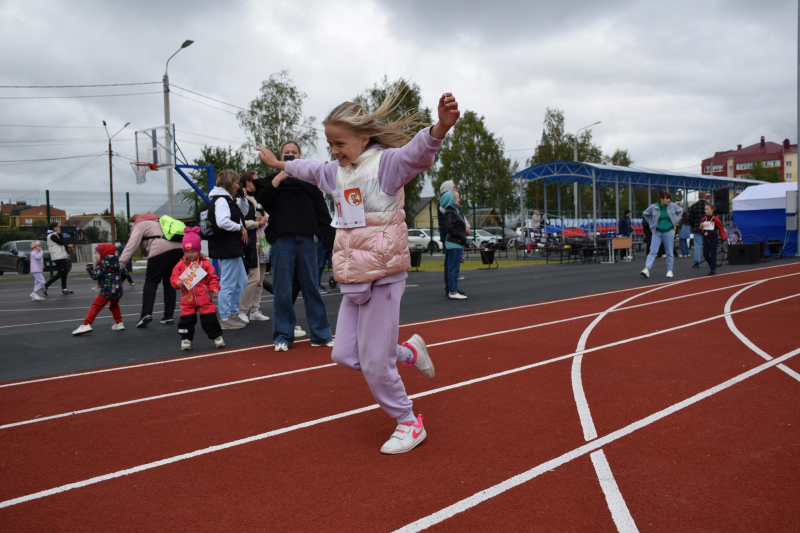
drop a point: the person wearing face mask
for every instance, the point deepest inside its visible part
(296, 212)
(254, 221)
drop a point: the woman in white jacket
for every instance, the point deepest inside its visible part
(58, 255)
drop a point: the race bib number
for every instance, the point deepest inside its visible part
(349, 207)
(192, 275)
(708, 225)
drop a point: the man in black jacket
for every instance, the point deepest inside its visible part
(295, 210)
(696, 214)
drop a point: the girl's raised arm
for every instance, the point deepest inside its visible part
(322, 174)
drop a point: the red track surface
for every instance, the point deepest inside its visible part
(728, 462)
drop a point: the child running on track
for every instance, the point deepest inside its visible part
(37, 269)
(713, 230)
(198, 282)
(109, 275)
(375, 159)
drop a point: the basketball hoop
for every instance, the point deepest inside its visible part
(141, 170)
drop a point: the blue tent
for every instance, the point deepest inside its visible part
(760, 211)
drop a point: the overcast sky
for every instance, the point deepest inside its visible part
(672, 82)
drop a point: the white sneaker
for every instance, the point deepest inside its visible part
(119, 326)
(669, 273)
(645, 273)
(83, 328)
(218, 342)
(256, 315)
(405, 437)
(281, 347)
(36, 297)
(457, 296)
(186, 344)
(329, 343)
(422, 360)
(298, 332)
(243, 318)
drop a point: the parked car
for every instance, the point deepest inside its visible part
(509, 235)
(15, 256)
(479, 238)
(419, 240)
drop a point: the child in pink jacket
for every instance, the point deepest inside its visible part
(374, 160)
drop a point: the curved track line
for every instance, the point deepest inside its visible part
(745, 340)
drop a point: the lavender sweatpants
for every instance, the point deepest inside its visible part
(366, 340)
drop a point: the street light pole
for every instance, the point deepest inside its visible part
(111, 181)
(170, 193)
(575, 158)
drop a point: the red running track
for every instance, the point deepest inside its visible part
(726, 462)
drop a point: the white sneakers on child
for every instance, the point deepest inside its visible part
(422, 360)
(186, 344)
(83, 328)
(298, 332)
(119, 326)
(281, 347)
(646, 273)
(669, 273)
(256, 315)
(405, 438)
(219, 343)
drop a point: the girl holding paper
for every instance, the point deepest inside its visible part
(198, 282)
(375, 158)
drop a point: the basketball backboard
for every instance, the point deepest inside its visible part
(156, 146)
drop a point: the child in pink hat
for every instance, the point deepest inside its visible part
(198, 282)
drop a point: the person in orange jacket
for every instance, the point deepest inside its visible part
(198, 282)
(713, 230)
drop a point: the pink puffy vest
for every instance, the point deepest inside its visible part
(380, 248)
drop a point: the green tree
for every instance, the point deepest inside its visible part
(92, 234)
(620, 158)
(473, 157)
(372, 98)
(276, 116)
(219, 158)
(762, 173)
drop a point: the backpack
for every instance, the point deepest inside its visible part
(173, 230)
(208, 216)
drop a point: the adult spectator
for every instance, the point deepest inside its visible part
(536, 220)
(162, 256)
(625, 229)
(58, 255)
(227, 245)
(696, 215)
(444, 188)
(296, 210)
(254, 221)
(455, 240)
(662, 217)
(684, 233)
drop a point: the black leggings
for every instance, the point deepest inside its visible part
(209, 322)
(61, 266)
(710, 243)
(159, 270)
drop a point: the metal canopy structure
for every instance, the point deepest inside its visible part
(634, 178)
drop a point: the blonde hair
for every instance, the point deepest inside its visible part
(227, 178)
(377, 125)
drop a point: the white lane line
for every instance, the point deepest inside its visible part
(60, 321)
(585, 415)
(616, 503)
(595, 444)
(519, 479)
(746, 341)
(167, 395)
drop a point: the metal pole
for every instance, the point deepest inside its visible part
(544, 184)
(616, 189)
(47, 200)
(430, 216)
(171, 207)
(594, 207)
(128, 211)
(558, 183)
(575, 185)
(521, 204)
(630, 195)
(111, 189)
(578, 196)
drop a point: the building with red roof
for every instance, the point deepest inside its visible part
(738, 163)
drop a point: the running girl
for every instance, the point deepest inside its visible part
(374, 160)
(713, 230)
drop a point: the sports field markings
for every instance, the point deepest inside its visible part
(591, 446)
(616, 503)
(746, 341)
(268, 376)
(519, 479)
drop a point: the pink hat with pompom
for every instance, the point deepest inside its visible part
(191, 239)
